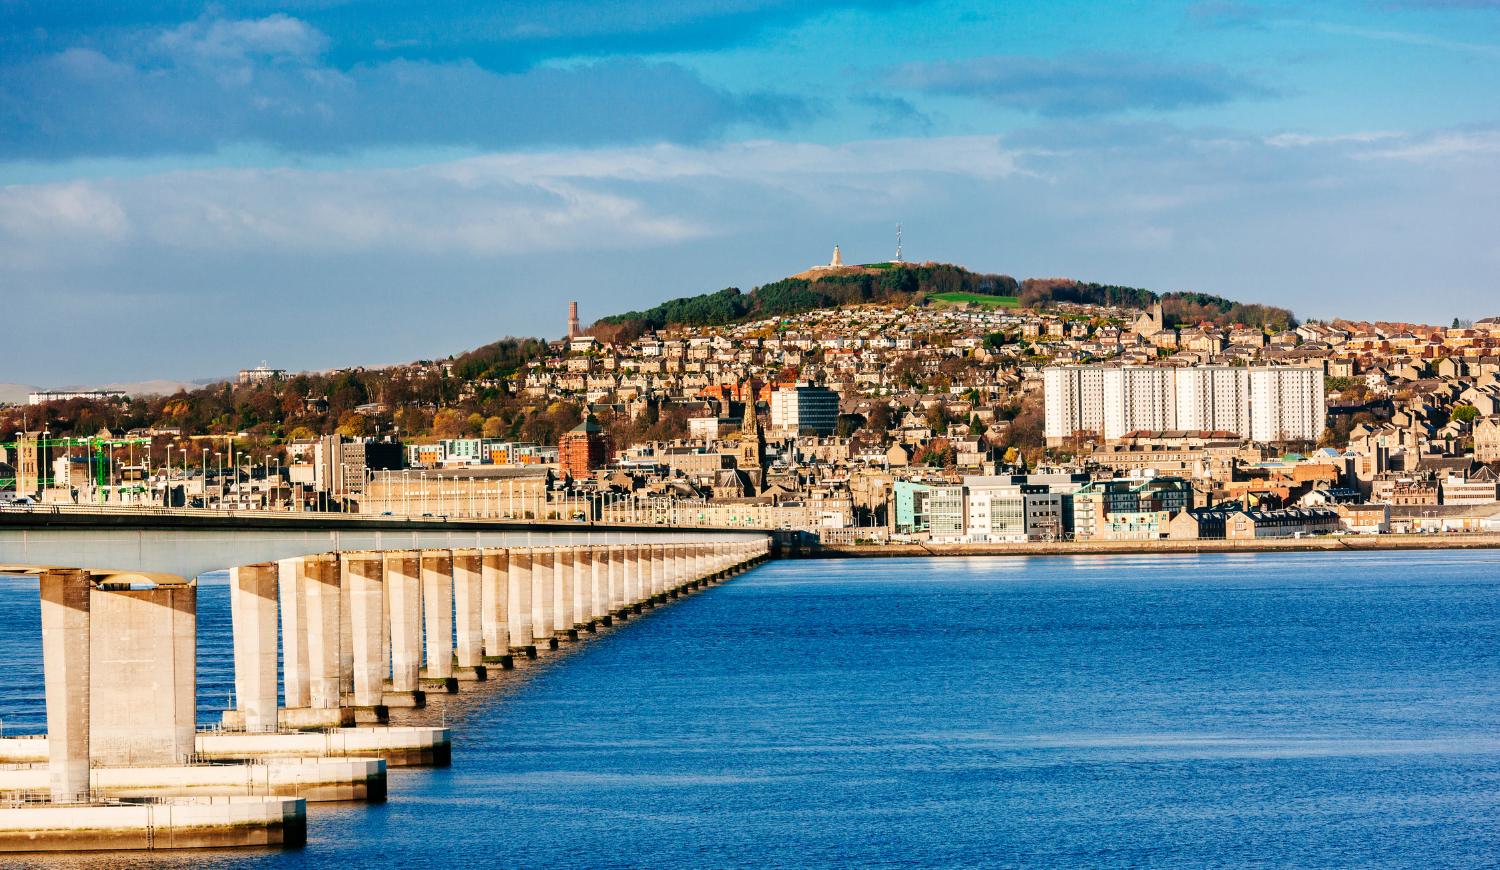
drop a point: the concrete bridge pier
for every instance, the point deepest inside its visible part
(437, 612)
(628, 580)
(583, 588)
(615, 556)
(565, 565)
(494, 606)
(520, 608)
(598, 584)
(143, 687)
(346, 632)
(365, 573)
(543, 597)
(468, 636)
(658, 572)
(65, 662)
(404, 594)
(324, 611)
(291, 580)
(640, 575)
(700, 566)
(253, 600)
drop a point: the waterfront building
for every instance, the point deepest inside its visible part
(1095, 503)
(1004, 509)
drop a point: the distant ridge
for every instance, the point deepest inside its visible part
(19, 393)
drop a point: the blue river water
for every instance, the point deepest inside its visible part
(1269, 710)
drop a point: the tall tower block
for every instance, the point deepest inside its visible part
(572, 319)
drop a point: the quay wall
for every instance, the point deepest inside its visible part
(1340, 543)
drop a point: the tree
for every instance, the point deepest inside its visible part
(1455, 323)
(447, 424)
(302, 433)
(476, 425)
(1465, 413)
(352, 425)
(413, 422)
(494, 427)
(937, 417)
(940, 453)
(880, 418)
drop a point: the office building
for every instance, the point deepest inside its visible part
(805, 411)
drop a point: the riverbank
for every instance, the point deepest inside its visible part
(1342, 543)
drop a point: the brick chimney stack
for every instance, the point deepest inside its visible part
(572, 319)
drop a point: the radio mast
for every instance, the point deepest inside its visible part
(898, 243)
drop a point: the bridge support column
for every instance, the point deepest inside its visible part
(323, 623)
(658, 569)
(565, 565)
(253, 597)
(519, 596)
(700, 571)
(468, 638)
(543, 597)
(143, 654)
(292, 580)
(631, 576)
(437, 610)
(365, 573)
(346, 630)
(494, 604)
(65, 663)
(648, 576)
(679, 556)
(598, 583)
(404, 592)
(616, 577)
(583, 587)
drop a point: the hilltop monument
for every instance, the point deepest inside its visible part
(836, 263)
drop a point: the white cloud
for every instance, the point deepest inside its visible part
(1388, 225)
(492, 205)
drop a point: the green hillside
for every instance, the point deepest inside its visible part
(978, 299)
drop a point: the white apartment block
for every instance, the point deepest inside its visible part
(1213, 399)
(1273, 403)
(1080, 402)
(1138, 397)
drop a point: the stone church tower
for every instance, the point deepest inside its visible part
(751, 457)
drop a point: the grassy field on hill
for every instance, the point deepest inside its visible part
(992, 301)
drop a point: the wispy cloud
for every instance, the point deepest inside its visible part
(1093, 84)
(1226, 14)
(894, 115)
(1442, 4)
(1408, 38)
(199, 86)
(501, 36)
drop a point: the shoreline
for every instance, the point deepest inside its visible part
(1342, 543)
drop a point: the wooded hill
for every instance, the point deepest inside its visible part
(905, 284)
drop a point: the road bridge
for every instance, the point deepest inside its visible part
(344, 616)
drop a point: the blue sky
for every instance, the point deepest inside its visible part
(189, 188)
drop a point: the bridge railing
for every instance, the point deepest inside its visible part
(133, 510)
